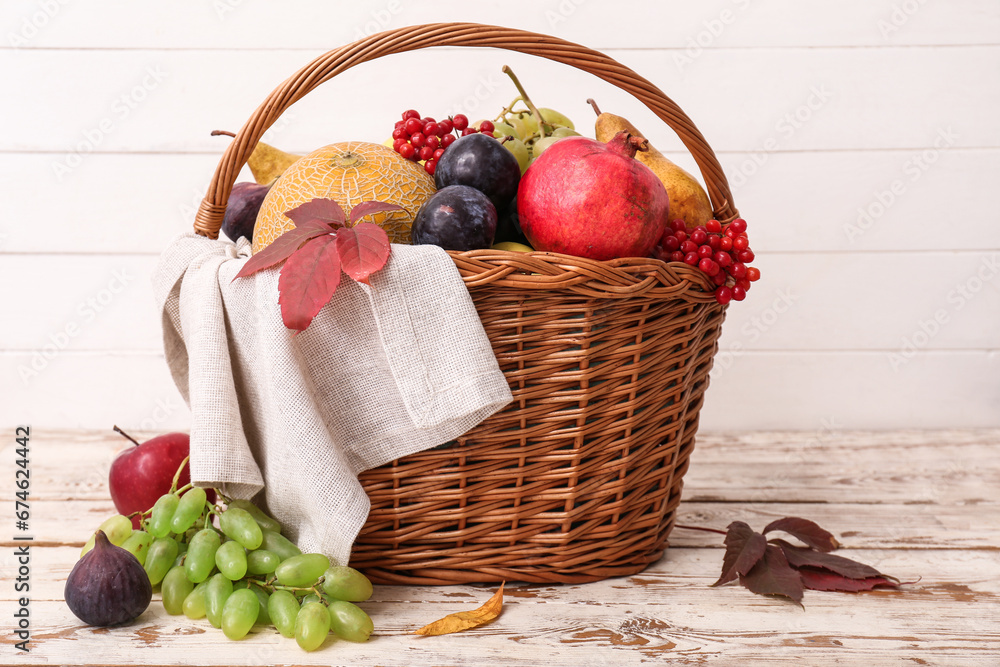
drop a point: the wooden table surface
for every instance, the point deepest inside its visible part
(922, 506)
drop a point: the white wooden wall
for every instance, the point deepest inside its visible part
(860, 136)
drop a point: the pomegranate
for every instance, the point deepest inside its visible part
(590, 199)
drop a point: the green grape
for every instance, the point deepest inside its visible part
(349, 621)
(200, 559)
(262, 561)
(239, 613)
(564, 132)
(137, 544)
(553, 117)
(263, 617)
(541, 144)
(231, 559)
(160, 558)
(117, 528)
(278, 544)
(263, 520)
(345, 583)
(311, 597)
(194, 603)
(174, 589)
(519, 151)
(217, 590)
(302, 570)
(520, 131)
(528, 121)
(501, 129)
(182, 548)
(312, 625)
(237, 524)
(283, 609)
(161, 515)
(190, 507)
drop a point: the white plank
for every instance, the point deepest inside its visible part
(162, 100)
(804, 301)
(137, 202)
(811, 391)
(629, 23)
(93, 390)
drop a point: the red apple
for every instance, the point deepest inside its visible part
(141, 474)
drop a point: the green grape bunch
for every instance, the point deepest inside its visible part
(227, 562)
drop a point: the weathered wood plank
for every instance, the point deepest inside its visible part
(682, 577)
(826, 465)
(861, 526)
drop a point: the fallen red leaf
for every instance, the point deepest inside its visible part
(805, 530)
(823, 580)
(307, 281)
(773, 576)
(744, 547)
(799, 557)
(364, 249)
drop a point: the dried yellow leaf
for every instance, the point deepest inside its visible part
(463, 620)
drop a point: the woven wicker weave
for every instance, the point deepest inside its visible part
(579, 478)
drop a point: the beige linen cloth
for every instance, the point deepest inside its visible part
(383, 371)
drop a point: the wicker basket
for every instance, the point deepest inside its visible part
(580, 477)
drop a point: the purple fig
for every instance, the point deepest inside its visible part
(241, 210)
(107, 586)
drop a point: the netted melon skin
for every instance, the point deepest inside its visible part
(348, 172)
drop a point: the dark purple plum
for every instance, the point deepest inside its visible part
(481, 162)
(456, 217)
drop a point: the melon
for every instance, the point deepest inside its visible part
(349, 172)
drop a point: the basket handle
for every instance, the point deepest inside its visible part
(210, 214)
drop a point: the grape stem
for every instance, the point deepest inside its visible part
(177, 475)
(527, 100)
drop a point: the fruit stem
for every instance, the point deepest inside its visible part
(527, 100)
(591, 102)
(177, 475)
(136, 442)
(227, 133)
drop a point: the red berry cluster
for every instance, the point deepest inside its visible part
(721, 251)
(426, 139)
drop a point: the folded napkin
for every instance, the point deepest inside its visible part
(384, 370)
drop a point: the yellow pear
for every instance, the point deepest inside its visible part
(688, 200)
(266, 162)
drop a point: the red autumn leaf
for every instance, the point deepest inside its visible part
(805, 530)
(799, 557)
(369, 207)
(823, 580)
(363, 248)
(324, 210)
(773, 576)
(307, 281)
(282, 247)
(744, 548)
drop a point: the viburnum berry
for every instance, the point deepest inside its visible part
(411, 113)
(740, 243)
(460, 121)
(445, 126)
(407, 150)
(753, 273)
(426, 153)
(448, 140)
(430, 166)
(714, 226)
(413, 125)
(692, 258)
(738, 293)
(723, 294)
(739, 225)
(487, 127)
(417, 139)
(699, 236)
